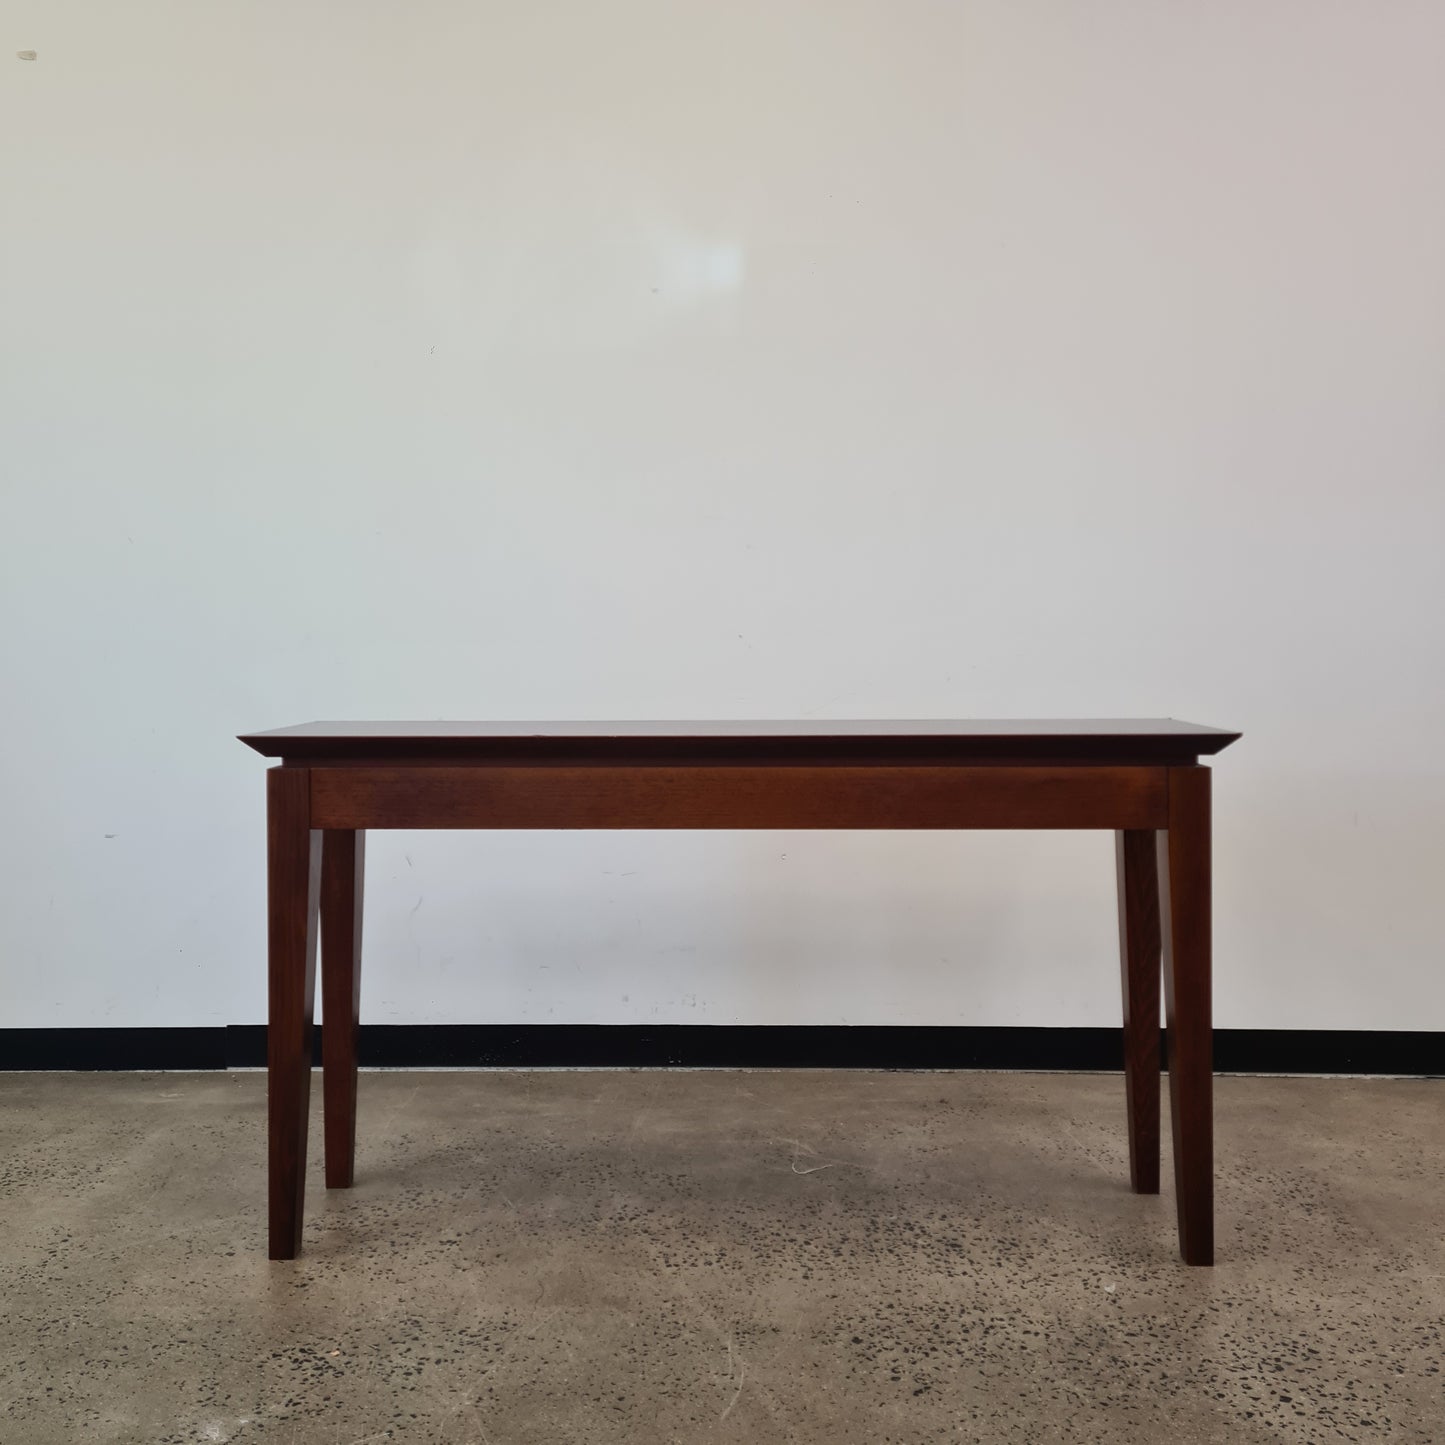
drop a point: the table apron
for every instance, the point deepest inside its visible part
(739, 796)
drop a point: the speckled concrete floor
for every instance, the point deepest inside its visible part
(599, 1257)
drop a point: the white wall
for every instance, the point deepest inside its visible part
(619, 358)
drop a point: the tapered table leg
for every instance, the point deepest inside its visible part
(1185, 922)
(1138, 882)
(342, 876)
(293, 884)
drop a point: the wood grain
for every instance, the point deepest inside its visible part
(739, 797)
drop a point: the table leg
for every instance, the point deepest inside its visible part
(293, 885)
(1185, 864)
(1138, 883)
(343, 865)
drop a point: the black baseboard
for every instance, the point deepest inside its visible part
(699, 1046)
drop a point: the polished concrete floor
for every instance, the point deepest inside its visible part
(821, 1257)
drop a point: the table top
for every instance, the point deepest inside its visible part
(1086, 740)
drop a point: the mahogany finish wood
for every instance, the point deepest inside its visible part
(293, 874)
(1185, 925)
(343, 866)
(1014, 740)
(738, 796)
(1138, 778)
(1138, 881)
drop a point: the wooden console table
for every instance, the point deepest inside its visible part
(1140, 778)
